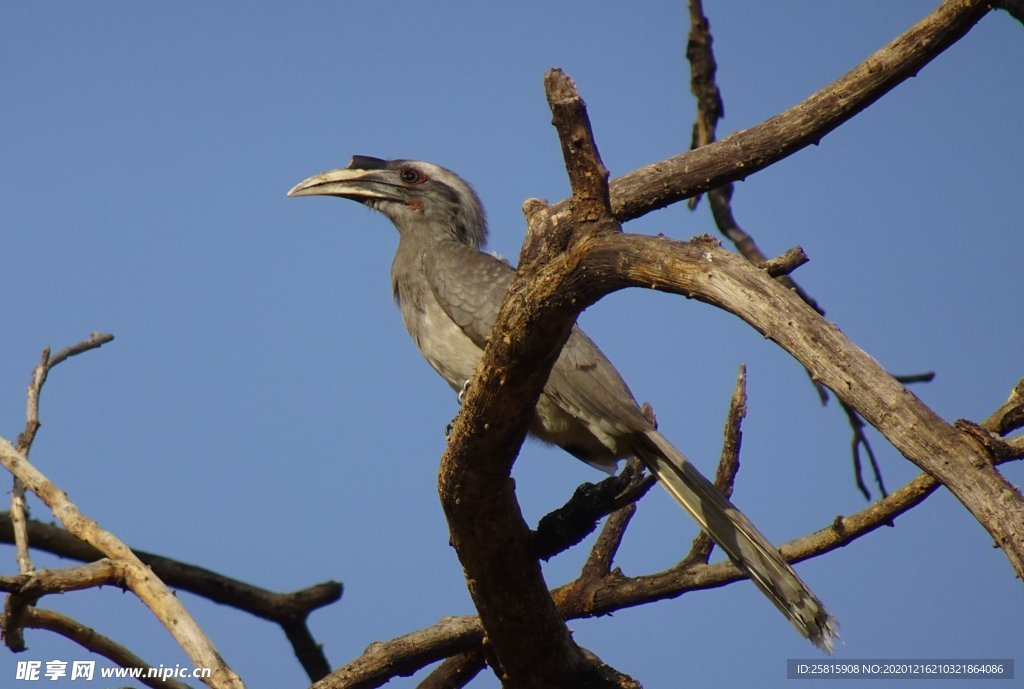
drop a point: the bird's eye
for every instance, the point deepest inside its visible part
(411, 175)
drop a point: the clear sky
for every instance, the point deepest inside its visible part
(262, 412)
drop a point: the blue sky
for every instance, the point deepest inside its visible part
(262, 412)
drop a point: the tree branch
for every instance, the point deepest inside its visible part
(728, 463)
(528, 636)
(701, 269)
(563, 528)
(406, 654)
(453, 635)
(1010, 415)
(19, 510)
(550, 289)
(157, 597)
(39, 618)
(456, 672)
(745, 152)
(290, 610)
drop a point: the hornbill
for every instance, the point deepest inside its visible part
(449, 292)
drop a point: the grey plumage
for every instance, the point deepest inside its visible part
(449, 292)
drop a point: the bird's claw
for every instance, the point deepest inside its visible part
(463, 391)
(462, 398)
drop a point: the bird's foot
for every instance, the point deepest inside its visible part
(462, 398)
(463, 391)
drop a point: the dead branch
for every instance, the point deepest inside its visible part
(452, 635)
(290, 610)
(566, 526)
(456, 672)
(526, 632)
(40, 618)
(745, 152)
(728, 463)
(1010, 414)
(551, 287)
(407, 654)
(157, 597)
(19, 510)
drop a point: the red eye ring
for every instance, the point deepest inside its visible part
(411, 175)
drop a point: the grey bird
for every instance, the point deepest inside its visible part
(449, 292)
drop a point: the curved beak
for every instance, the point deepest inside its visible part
(364, 179)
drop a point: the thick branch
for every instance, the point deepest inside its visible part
(701, 269)
(490, 536)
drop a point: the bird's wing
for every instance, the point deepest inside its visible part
(469, 285)
(586, 384)
(583, 381)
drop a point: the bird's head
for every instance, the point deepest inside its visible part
(418, 197)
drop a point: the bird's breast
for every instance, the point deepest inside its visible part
(442, 342)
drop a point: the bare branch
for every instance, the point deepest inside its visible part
(19, 510)
(39, 375)
(995, 447)
(456, 672)
(290, 610)
(858, 441)
(407, 654)
(728, 463)
(528, 636)
(157, 597)
(786, 263)
(37, 618)
(741, 154)
(1010, 415)
(701, 269)
(451, 636)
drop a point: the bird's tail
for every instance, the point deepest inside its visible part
(738, 537)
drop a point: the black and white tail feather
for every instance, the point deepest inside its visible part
(739, 538)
